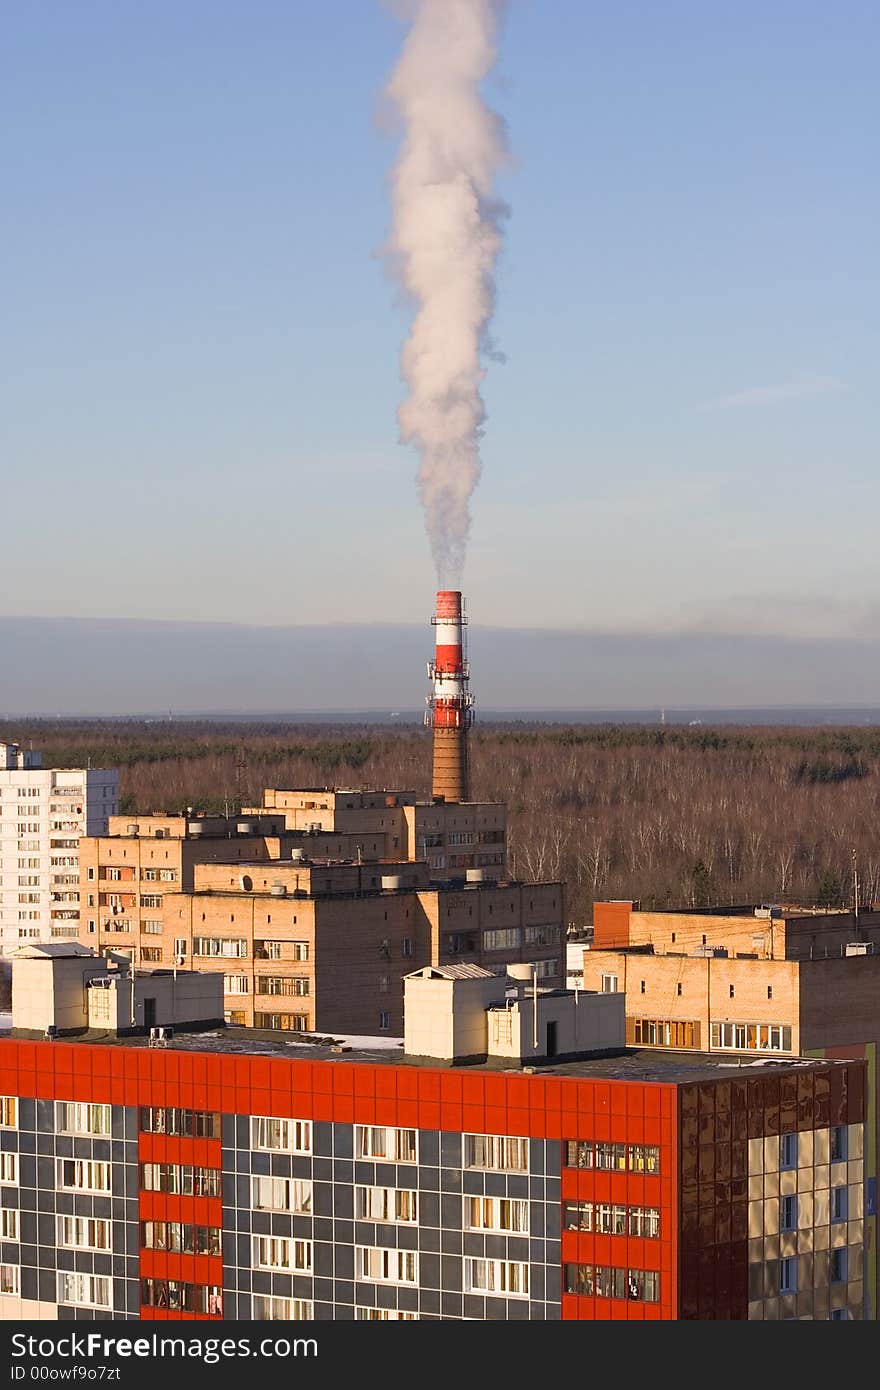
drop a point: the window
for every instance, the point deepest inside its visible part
(269, 950)
(407, 946)
(179, 1238)
(730, 987)
(80, 1117)
(643, 1284)
(83, 1233)
(788, 1151)
(194, 1124)
(219, 946)
(504, 939)
(499, 1152)
(644, 1221)
(659, 1032)
(379, 1141)
(577, 1216)
(83, 1175)
(611, 1157)
(769, 991)
(181, 1179)
(9, 1223)
(838, 1143)
(509, 1277)
(9, 1277)
(610, 1220)
(383, 1266)
(384, 1020)
(839, 1315)
(9, 1112)
(152, 926)
(386, 1204)
(839, 1204)
(641, 987)
(281, 1194)
(385, 1315)
(167, 875)
(788, 1213)
(85, 1290)
(151, 900)
(288, 1023)
(603, 1281)
(609, 984)
(236, 984)
(151, 953)
(542, 936)
(545, 969)
(746, 1037)
(788, 1274)
(180, 1297)
(286, 1136)
(265, 1308)
(678, 988)
(838, 1266)
(579, 1154)
(280, 984)
(282, 1252)
(497, 1214)
(644, 1158)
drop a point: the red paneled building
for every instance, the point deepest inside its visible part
(223, 1178)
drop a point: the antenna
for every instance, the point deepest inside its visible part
(535, 1006)
(240, 763)
(855, 874)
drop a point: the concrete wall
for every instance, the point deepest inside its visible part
(52, 992)
(584, 1023)
(447, 1018)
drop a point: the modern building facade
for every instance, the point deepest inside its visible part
(764, 981)
(44, 815)
(173, 1183)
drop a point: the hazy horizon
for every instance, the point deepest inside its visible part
(113, 667)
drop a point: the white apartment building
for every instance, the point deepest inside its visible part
(43, 813)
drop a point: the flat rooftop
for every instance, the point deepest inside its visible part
(632, 1064)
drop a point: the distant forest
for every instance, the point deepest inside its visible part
(675, 816)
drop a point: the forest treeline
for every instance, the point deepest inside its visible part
(669, 815)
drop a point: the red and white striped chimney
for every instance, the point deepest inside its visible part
(451, 704)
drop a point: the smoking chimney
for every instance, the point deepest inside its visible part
(450, 706)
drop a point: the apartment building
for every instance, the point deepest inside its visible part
(152, 1183)
(126, 875)
(305, 945)
(452, 836)
(126, 872)
(44, 815)
(764, 981)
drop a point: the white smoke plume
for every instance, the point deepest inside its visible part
(444, 243)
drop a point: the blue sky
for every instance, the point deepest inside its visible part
(199, 341)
